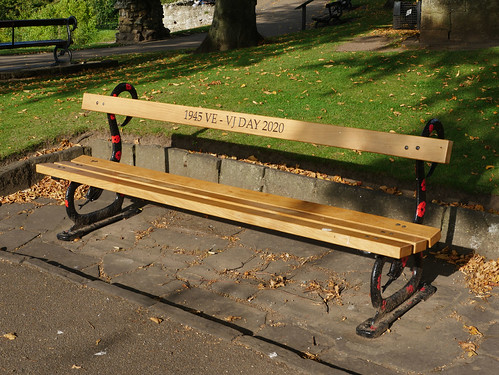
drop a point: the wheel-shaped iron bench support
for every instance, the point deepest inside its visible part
(392, 307)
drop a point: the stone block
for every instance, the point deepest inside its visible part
(434, 36)
(472, 230)
(288, 184)
(229, 259)
(281, 243)
(432, 21)
(116, 264)
(14, 177)
(200, 166)
(151, 157)
(241, 174)
(102, 149)
(151, 280)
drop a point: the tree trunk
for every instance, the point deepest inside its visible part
(389, 4)
(233, 26)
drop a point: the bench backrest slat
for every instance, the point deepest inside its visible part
(408, 146)
(38, 22)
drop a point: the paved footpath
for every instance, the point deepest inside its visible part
(274, 17)
(59, 327)
(254, 288)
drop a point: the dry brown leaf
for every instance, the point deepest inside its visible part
(156, 319)
(473, 330)
(469, 347)
(10, 336)
(232, 318)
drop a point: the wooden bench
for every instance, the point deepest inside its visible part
(335, 10)
(61, 45)
(391, 240)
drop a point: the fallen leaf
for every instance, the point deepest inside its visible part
(468, 347)
(10, 336)
(231, 318)
(473, 330)
(156, 320)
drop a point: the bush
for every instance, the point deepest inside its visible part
(12, 9)
(105, 15)
(82, 10)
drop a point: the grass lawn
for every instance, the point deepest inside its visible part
(299, 76)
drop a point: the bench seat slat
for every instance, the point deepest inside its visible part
(419, 236)
(274, 212)
(224, 210)
(407, 146)
(36, 43)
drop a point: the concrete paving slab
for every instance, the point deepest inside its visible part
(202, 223)
(16, 238)
(38, 219)
(221, 308)
(188, 241)
(230, 259)
(234, 289)
(151, 280)
(262, 240)
(198, 275)
(57, 254)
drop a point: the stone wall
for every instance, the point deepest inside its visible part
(184, 15)
(139, 21)
(459, 21)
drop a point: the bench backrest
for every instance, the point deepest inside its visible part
(41, 22)
(408, 146)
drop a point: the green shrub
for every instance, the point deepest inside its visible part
(105, 15)
(12, 9)
(82, 10)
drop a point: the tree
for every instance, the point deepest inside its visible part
(15, 9)
(233, 26)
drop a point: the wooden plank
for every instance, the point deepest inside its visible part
(419, 235)
(269, 220)
(408, 146)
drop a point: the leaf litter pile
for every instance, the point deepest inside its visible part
(46, 187)
(481, 276)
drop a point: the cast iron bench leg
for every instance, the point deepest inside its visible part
(85, 223)
(61, 51)
(389, 309)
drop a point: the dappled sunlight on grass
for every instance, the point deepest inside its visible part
(299, 76)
